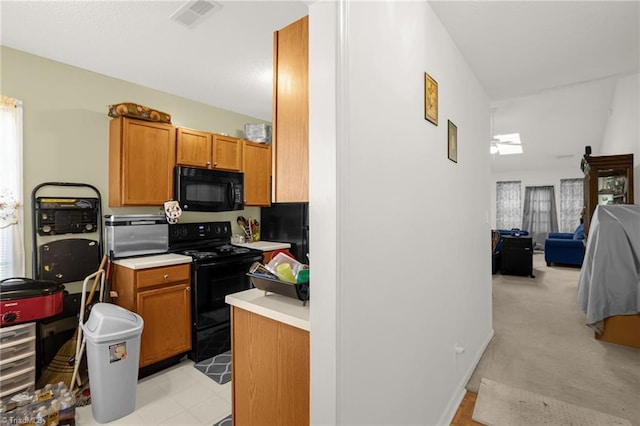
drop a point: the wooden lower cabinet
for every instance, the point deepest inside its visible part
(270, 371)
(162, 297)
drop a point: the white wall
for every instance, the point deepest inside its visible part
(400, 238)
(622, 133)
(533, 178)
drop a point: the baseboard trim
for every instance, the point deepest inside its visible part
(450, 412)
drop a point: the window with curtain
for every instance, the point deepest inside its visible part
(508, 208)
(539, 215)
(11, 203)
(571, 203)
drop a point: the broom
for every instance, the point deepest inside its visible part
(61, 367)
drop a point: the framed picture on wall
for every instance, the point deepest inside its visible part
(452, 144)
(430, 99)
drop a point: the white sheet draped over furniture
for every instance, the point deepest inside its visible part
(609, 281)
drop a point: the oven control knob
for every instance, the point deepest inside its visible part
(183, 232)
(218, 229)
(9, 317)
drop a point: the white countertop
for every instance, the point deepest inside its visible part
(279, 308)
(154, 261)
(264, 245)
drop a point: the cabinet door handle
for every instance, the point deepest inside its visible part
(208, 163)
(215, 164)
(166, 276)
(188, 288)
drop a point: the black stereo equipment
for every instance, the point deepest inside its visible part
(516, 256)
(61, 215)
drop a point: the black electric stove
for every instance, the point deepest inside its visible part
(218, 269)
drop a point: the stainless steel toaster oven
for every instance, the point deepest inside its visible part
(136, 235)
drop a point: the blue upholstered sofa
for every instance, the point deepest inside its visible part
(565, 248)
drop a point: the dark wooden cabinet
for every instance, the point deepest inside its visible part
(608, 179)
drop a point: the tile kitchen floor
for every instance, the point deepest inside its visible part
(180, 395)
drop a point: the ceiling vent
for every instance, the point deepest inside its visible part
(193, 12)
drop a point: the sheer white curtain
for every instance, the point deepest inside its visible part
(508, 209)
(11, 202)
(539, 215)
(571, 203)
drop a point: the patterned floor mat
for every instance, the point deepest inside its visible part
(217, 368)
(224, 422)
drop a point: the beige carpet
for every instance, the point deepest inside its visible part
(542, 345)
(502, 405)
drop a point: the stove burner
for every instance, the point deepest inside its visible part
(221, 250)
(197, 254)
(206, 254)
(225, 248)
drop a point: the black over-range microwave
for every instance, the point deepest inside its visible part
(204, 190)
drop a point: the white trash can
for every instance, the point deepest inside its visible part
(112, 336)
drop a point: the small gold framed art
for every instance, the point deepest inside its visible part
(452, 145)
(430, 99)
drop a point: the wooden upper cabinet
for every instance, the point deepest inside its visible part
(256, 165)
(208, 150)
(141, 159)
(227, 152)
(193, 148)
(291, 113)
